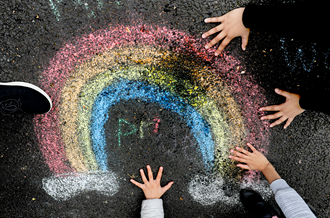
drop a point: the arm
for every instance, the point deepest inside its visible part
(315, 100)
(270, 173)
(290, 202)
(231, 27)
(296, 104)
(153, 206)
(304, 20)
(255, 161)
(286, 111)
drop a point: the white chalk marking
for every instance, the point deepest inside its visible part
(208, 190)
(65, 186)
(54, 5)
(262, 187)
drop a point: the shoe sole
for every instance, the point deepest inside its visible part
(31, 86)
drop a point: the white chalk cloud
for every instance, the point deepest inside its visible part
(208, 190)
(65, 186)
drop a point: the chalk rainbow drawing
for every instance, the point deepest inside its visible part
(215, 96)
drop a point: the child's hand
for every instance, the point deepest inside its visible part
(253, 161)
(152, 188)
(231, 26)
(286, 111)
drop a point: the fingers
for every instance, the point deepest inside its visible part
(242, 150)
(235, 152)
(215, 40)
(214, 20)
(283, 93)
(288, 122)
(238, 154)
(137, 183)
(212, 31)
(272, 116)
(150, 175)
(277, 107)
(271, 108)
(279, 121)
(245, 40)
(143, 176)
(159, 175)
(237, 158)
(251, 147)
(244, 166)
(223, 45)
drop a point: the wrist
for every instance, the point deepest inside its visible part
(270, 173)
(266, 166)
(152, 197)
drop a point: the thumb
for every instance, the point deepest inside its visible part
(283, 93)
(167, 187)
(245, 40)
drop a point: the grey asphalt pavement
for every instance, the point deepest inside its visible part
(32, 32)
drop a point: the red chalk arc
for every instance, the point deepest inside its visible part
(84, 48)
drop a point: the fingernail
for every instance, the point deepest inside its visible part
(262, 118)
(231, 150)
(238, 148)
(244, 49)
(216, 54)
(230, 156)
(205, 20)
(203, 36)
(260, 109)
(271, 125)
(206, 46)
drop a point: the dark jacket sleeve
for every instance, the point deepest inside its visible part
(315, 100)
(306, 20)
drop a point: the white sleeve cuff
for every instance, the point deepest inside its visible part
(152, 208)
(278, 185)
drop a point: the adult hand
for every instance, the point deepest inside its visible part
(286, 111)
(253, 161)
(231, 26)
(152, 188)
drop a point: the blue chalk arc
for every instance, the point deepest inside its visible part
(127, 90)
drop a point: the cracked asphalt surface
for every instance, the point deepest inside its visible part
(31, 32)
